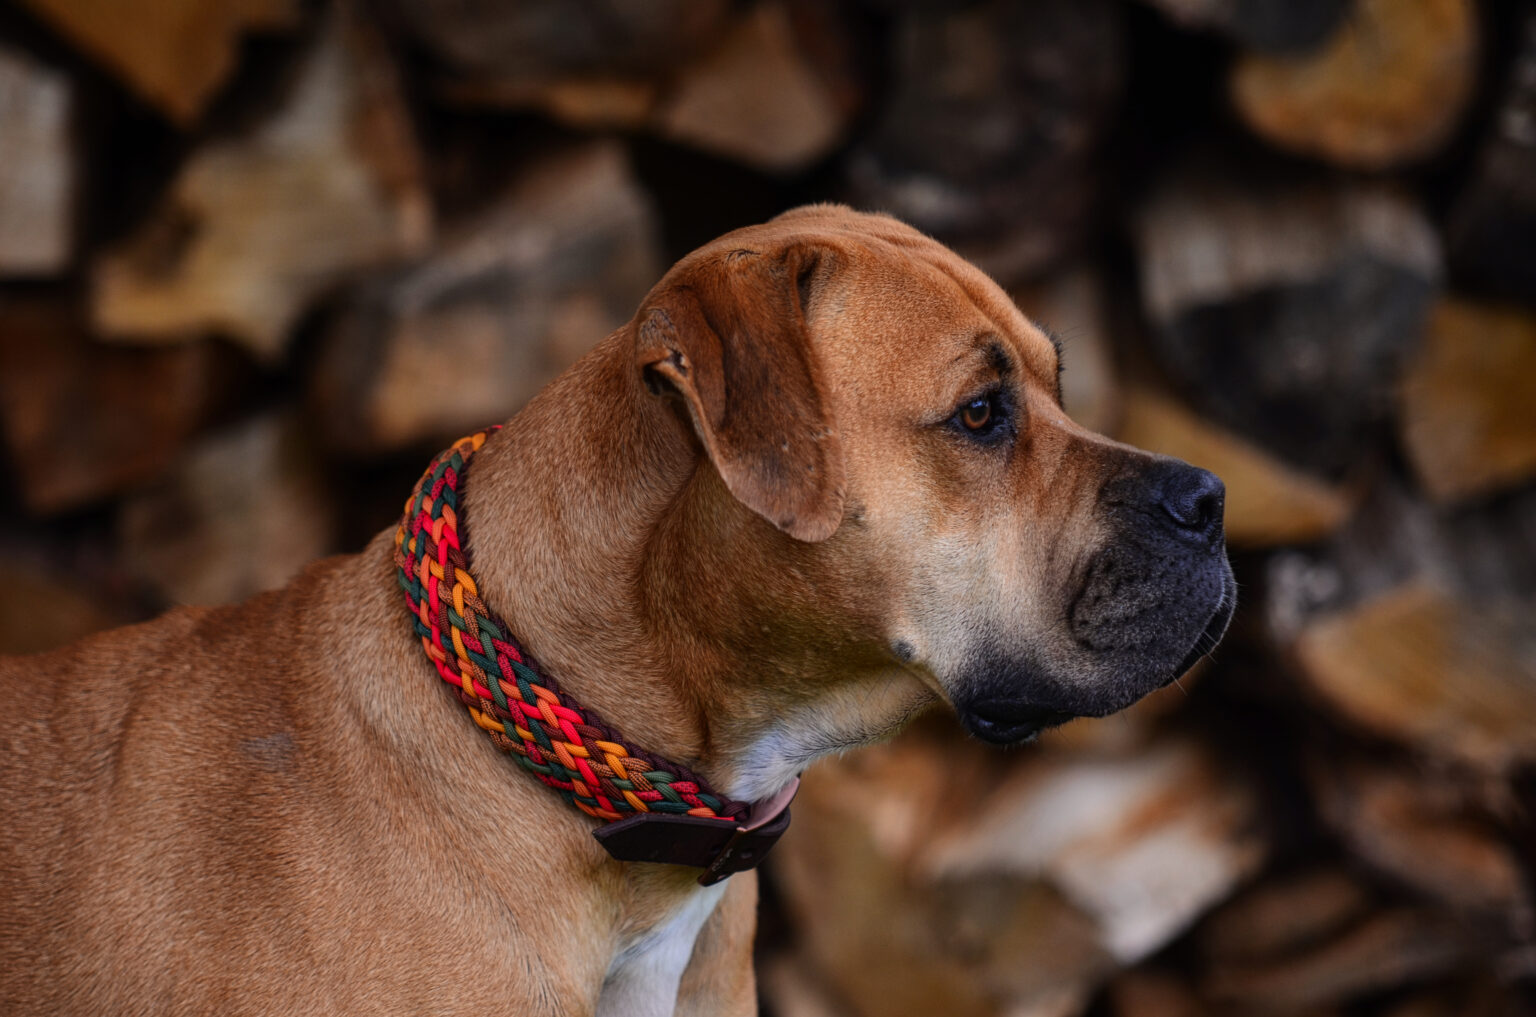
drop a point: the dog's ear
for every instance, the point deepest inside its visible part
(729, 337)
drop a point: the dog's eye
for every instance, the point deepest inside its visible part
(976, 415)
(982, 418)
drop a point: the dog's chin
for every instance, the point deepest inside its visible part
(1012, 703)
(1002, 722)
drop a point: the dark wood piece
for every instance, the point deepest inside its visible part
(83, 421)
(989, 135)
(1287, 311)
(1491, 234)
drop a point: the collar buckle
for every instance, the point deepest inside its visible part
(720, 848)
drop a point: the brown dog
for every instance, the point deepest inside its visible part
(821, 481)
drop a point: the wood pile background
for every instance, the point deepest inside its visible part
(259, 259)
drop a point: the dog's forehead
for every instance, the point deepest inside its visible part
(894, 294)
(924, 308)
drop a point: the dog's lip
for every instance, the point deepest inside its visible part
(1211, 634)
(1004, 722)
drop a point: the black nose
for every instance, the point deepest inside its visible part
(1194, 499)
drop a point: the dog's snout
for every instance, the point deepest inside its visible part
(1194, 499)
(1180, 498)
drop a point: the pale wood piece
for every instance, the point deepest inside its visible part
(1142, 842)
(37, 167)
(1388, 87)
(1422, 835)
(258, 226)
(1268, 502)
(1418, 666)
(467, 335)
(1467, 411)
(1205, 238)
(899, 940)
(173, 53)
(243, 512)
(756, 97)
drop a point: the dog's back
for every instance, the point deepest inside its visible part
(196, 811)
(109, 746)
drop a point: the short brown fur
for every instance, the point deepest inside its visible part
(713, 530)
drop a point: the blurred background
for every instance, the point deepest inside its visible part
(260, 259)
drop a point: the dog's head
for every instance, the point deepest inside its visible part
(894, 417)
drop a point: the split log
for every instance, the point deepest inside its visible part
(794, 989)
(1271, 26)
(1388, 87)
(758, 97)
(588, 103)
(1465, 997)
(1423, 668)
(1481, 559)
(1467, 420)
(1142, 993)
(174, 53)
(37, 168)
(1389, 949)
(1142, 843)
(551, 40)
(83, 421)
(1284, 917)
(1268, 502)
(243, 512)
(1491, 233)
(1494, 544)
(1287, 312)
(980, 948)
(256, 227)
(1072, 305)
(901, 941)
(1421, 836)
(599, 67)
(775, 91)
(990, 133)
(466, 336)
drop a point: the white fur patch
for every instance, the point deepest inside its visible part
(642, 980)
(856, 714)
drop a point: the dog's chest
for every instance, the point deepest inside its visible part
(643, 977)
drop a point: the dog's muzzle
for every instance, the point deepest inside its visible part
(1147, 605)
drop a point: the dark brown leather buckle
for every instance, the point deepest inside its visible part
(720, 847)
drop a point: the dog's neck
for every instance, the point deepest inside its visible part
(598, 537)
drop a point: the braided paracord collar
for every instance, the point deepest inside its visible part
(657, 810)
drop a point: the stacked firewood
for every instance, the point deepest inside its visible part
(260, 259)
